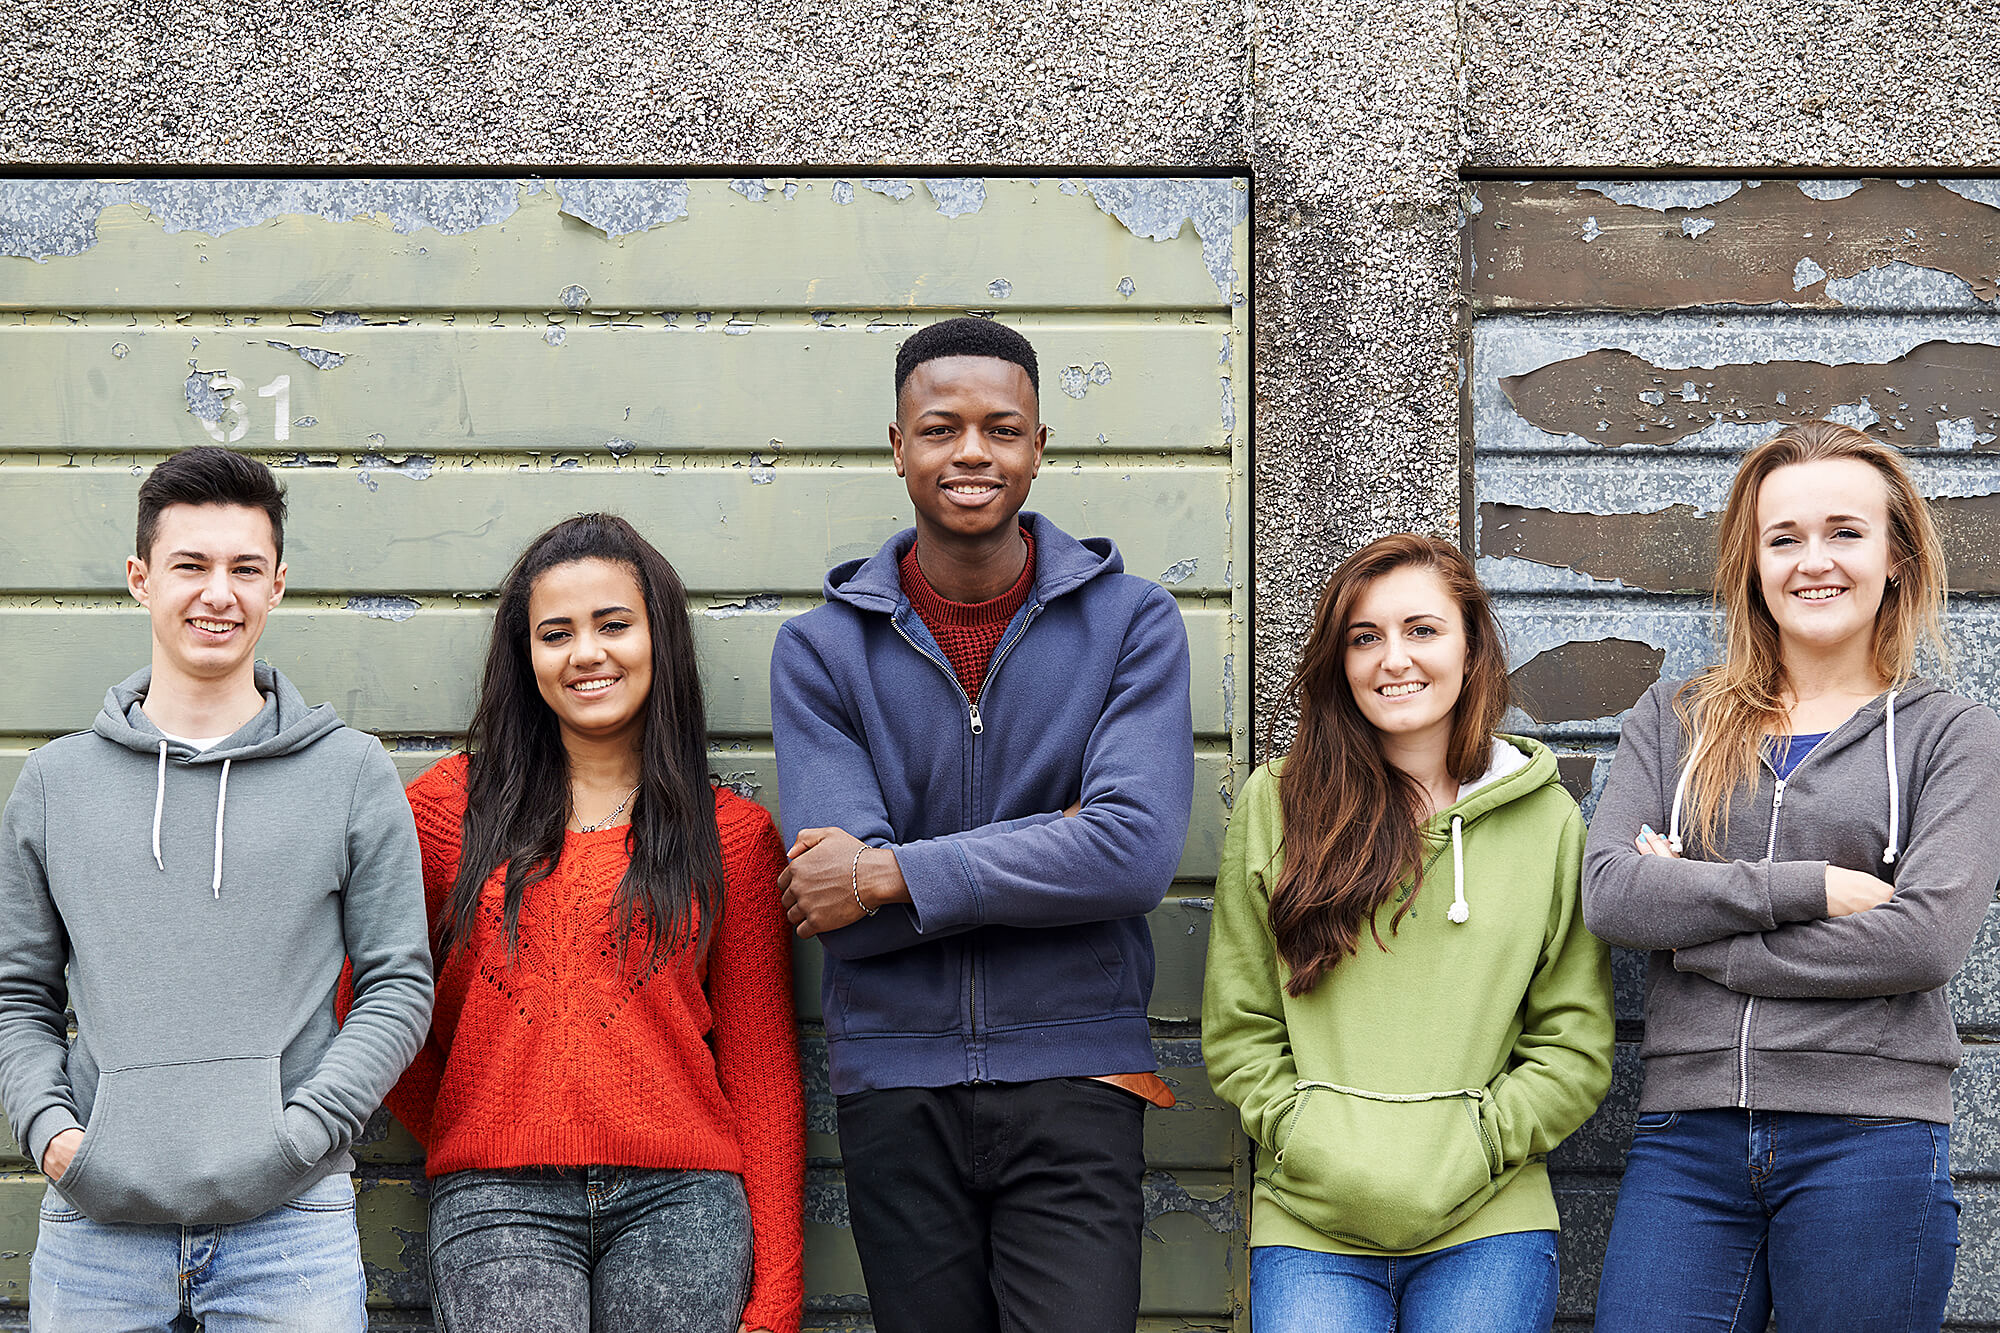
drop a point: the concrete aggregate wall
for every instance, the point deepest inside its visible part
(1354, 122)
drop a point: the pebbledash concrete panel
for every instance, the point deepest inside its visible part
(1629, 341)
(440, 369)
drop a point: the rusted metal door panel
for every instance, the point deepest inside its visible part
(1630, 341)
(440, 369)
(1671, 245)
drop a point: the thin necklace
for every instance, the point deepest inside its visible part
(616, 811)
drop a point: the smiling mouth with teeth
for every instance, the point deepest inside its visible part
(1402, 690)
(213, 626)
(592, 686)
(1818, 594)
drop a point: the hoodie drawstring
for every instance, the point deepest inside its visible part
(1680, 793)
(221, 792)
(1895, 786)
(1895, 846)
(1459, 911)
(159, 804)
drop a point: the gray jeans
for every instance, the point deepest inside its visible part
(600, 1249)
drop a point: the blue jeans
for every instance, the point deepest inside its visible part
(296, 1269)
(597, 1249)
(1846, 1224)
(1499, 1284)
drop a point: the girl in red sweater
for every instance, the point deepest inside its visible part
(609, 1097)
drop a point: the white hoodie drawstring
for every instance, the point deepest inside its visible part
(1889, 760)
(1895, 786)
(220, 793)
(1680, 792)
(1459, 911)
(159, 803)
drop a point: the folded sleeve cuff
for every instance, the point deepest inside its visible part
(1798, 891)
(943, 895)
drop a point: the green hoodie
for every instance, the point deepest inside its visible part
(1407, 1102)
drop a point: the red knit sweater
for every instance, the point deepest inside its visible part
(559, 1058)
(967, 631)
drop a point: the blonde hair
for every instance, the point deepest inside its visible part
(1727, 709)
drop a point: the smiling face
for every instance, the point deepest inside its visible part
(968, 440)
(1823, 553)
(591, 647)
(1406, 655)
(208, 585)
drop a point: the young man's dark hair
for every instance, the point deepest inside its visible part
(967, 336)
(209, 475)
(189, 876)
(985, 758)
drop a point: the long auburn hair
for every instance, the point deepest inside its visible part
(1727, 709)
(1352, 820)
(517, 785)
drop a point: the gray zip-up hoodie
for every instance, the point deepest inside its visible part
(1754, 996)
(203, 904)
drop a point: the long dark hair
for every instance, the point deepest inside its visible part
(1351, 818)
(517, 783)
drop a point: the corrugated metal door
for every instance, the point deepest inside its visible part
(1630, 341)
(442, 368)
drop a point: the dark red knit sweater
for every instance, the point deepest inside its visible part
(967, 631)
(560, 1058)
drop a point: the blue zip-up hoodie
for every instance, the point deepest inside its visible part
(1024, 952)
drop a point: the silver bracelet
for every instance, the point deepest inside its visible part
(855, 878)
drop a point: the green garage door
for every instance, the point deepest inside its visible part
(442, 368)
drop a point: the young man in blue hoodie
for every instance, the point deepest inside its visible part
(190, 874)
(985, 760)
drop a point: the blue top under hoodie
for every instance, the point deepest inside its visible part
(1024, 952)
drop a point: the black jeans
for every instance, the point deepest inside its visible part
(997, 1207)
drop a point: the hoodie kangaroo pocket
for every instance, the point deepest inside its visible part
(198, 1142)
(1388, 1171)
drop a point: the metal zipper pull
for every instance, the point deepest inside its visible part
(978, 724)
(1778, 794)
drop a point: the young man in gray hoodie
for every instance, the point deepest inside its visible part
(190, 875)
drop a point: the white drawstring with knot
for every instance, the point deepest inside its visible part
(1459, 912)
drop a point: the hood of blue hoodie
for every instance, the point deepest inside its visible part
(1062, 564)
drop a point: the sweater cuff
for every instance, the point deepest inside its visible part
(46, 1126)
(1798, 891)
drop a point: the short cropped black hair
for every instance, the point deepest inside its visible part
(967, 335)
(209, 475)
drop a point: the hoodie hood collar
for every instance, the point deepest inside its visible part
(1062, 564)
(282, 726)
(1862, 722)
(1514, 767)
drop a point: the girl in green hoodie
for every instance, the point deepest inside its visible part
(1402, 999)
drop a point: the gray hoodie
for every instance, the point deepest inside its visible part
(203, 904)
(1754, 997)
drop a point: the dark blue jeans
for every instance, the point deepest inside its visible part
(1844, 1224)
(997, 1207)
(1498, 1284)
(600, 1249)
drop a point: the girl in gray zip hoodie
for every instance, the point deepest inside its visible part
(1800, 835)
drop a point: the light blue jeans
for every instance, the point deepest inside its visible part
(297, 1269)
(1500, 1284)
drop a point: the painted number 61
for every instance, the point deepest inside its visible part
(234, 424)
